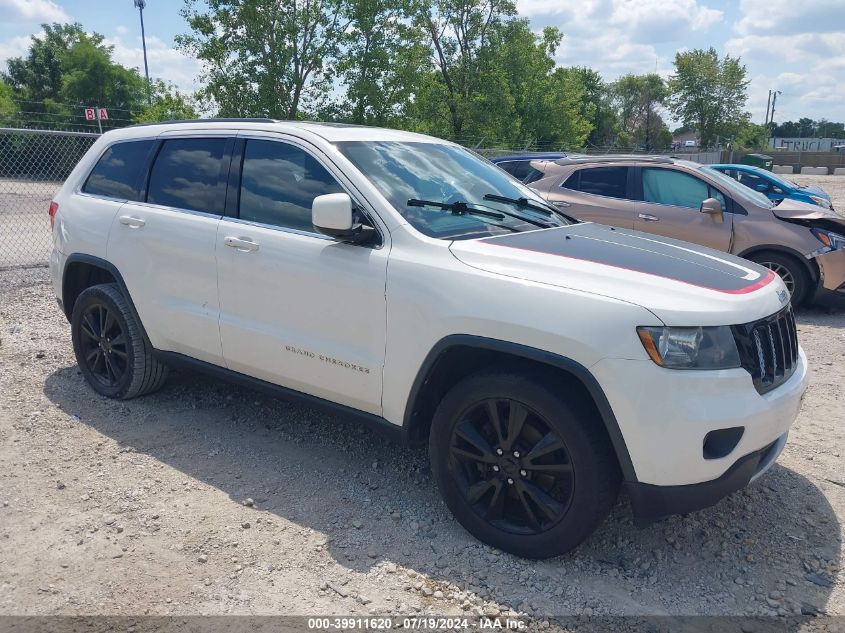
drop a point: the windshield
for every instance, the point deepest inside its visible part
(448, 174)
(783, 183)
(739, 189)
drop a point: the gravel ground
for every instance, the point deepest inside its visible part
(207, 498)
(834, 185)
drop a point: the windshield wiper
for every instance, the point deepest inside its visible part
(525, 203)
(522, 203)
(457, 208)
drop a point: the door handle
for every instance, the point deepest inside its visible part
(648, 217)
(132, 222)
(243, 244)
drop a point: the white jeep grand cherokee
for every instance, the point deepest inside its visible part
(405, 281)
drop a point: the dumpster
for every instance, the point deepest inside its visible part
(758, 160)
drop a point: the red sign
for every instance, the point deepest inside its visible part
(89, 114)
(102, 114)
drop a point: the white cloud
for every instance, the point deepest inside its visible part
(33, 11)
(789, 16)
(616, 37)
(807, 67)
(662, 20)
(165, 62)
(121, 30)
(15, 47)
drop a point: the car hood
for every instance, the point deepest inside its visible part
(681, 283)
(795, 210)
(816, 191)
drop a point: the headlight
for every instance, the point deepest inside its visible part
(834, 241)
(691, 347)
(822, 202)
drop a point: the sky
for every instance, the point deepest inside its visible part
(787, 45)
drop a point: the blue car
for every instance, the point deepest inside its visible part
(519, 165)
(775, 186)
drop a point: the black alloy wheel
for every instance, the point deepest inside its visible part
(511, 466)
(114, 354)
(103, 345)
(523, 461)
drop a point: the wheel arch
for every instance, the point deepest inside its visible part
(82, 271)
(810, 265)
(457, 356)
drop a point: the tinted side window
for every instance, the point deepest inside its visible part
(600, 181)
(521, 169)
(533, 176)
(116, 173)
(751, 180)
(278, 184)
(667, 186)
(186, 175)
(508, 166)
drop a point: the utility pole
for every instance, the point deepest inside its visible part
(141, 5)
(768, 105)
(774, 101)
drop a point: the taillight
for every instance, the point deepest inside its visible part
(54, 208)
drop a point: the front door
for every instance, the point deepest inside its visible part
(670, 206)
(299, 309)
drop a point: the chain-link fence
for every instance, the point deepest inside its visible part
(33, 165)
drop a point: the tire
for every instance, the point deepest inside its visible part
(793, 273)
(111, 349)
(580, 498)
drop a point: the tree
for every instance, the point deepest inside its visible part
(459, 32)
(595, 105)
(37, 77)
(751, 136)
(90, 77)
(265, 57)
(8, 107)
(829, 129)
(168, 104)
(66, 69)
(639, 98)
(546, 103)
(382, 62)
(708, 93)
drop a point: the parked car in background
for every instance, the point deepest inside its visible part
(774, 186)
(803, 243)
(519, 165)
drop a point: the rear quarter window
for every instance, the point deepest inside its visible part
(118, 172)
(611, 182)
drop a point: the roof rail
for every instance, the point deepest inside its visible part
(614, 158)
(213, 120)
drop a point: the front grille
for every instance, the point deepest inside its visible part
(768, 349)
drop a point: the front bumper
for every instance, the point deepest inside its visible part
(831, 287)
(665, 415)
(651, 503)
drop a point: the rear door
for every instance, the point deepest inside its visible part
(597, 194)
(164, 244)
(668, 204)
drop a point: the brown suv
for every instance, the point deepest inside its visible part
(803, 243)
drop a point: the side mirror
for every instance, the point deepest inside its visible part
(331, 214)
(711, 206)
(762, 187)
